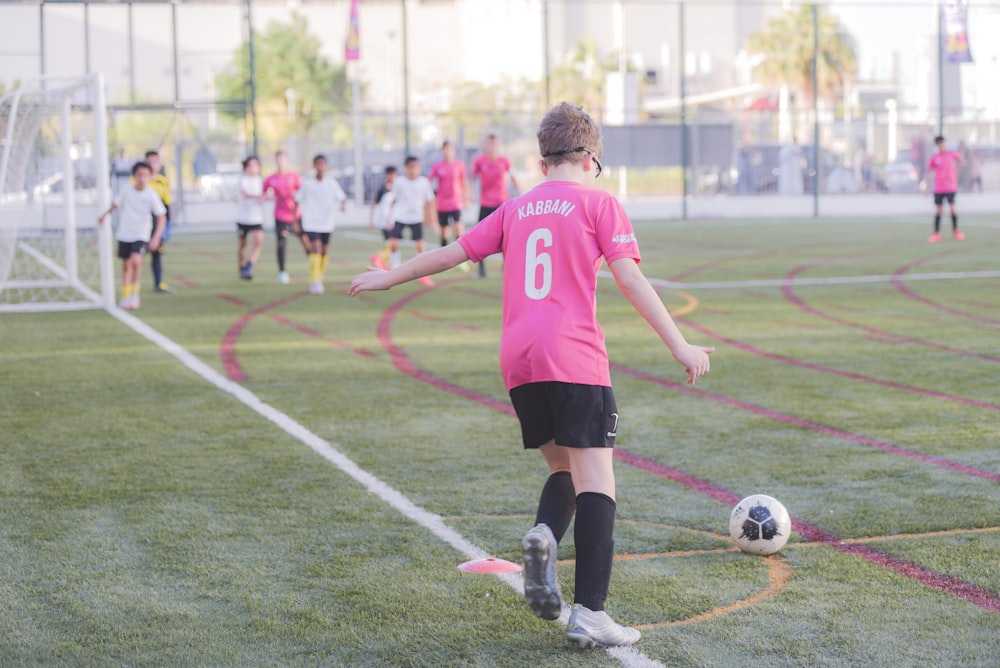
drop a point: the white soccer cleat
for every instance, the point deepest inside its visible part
(541, 584)
(283, 277)
(596, 629)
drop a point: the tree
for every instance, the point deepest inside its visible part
(295, 86)
(581, 78)
(785, 44)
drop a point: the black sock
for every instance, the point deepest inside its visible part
(595, 548)
(444, 242)
(937, 223)
(954, 222)
(557, 504)
(281, 253)
(157, 268)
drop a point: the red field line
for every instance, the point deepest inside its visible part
(945, 583)
(757, 352)
(897, 280)
(789, 292)
(227, 349)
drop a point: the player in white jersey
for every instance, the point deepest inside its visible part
(138, 203)
(317, 198)
(250, 216)
(414, 208)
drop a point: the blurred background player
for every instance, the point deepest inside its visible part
(452, 192)
(382, 212)
(138, 202)
(282, 186)
(554, 359)
(250, 216)
(317, 198)
(944, 164)
(161, 186)
(413, 208)
(491, 170)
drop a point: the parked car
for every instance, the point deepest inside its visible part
(900, 175)
(223, 183)
(756, 167)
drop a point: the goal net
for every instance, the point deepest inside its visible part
(53, 182)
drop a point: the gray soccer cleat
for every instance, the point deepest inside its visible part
(596, 629)
(541, 585)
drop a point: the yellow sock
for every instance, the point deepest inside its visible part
(384, 253)
(313, 267)
(323, 264)
(135, 288)
(126, 291)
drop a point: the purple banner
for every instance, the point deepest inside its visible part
(955, 31)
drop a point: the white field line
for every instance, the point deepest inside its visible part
(629, 657)
(833, 280)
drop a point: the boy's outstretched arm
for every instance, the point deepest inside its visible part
(432, 262)
(643, 297)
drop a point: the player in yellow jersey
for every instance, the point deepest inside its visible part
(161, 186)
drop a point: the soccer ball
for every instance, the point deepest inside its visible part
(759, 524)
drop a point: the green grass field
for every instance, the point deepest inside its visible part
(151, 518)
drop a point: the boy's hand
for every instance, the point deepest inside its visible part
(695, 361)
(373, 279)
(154, 244)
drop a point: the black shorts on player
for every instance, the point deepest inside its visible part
(575, 416)
(416, 230)
(247, 228)
(939, 198)
(281, 228)
(485, 211)
(127, 249)
(386, 234)
(322, 237)
(446, 218)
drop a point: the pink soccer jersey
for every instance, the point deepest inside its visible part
(492, 175)
(945, 168)
(284, 185)
(553, 240)
(450, 177)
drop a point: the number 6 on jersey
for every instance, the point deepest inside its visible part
(534, 260)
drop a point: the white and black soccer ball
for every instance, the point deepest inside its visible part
(760, 524)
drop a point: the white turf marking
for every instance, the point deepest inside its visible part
(834, 280)
(627, 656)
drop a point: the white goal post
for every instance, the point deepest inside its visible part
(54, 180)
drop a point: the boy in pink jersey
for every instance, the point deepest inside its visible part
(282, 185)
(945, 166)
(553, 358)
(491, 170)
(451, 189)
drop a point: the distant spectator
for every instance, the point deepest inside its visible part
(975, 172)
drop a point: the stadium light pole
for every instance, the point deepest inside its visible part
(406, 86)
(253, 77)
(940, 67)
(683, 96)
(815, 105)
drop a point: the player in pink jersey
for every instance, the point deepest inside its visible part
(452, 188)
(553, 357)
(945, 166)
(282, 186)
(491, 170)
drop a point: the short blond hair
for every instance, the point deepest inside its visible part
(566, 134)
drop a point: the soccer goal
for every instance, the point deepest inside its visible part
(54, 174)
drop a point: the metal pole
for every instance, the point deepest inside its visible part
(253, 77)
(69, 189)
(545, 54)
(173, 44)
(131, 56)
(86, 36)
(683, 94)
(103, 191)
(41, 39)
(940, 64)
(406, 85)
(359, 184)
(815, 105)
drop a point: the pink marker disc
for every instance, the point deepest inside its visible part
(489, 565)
